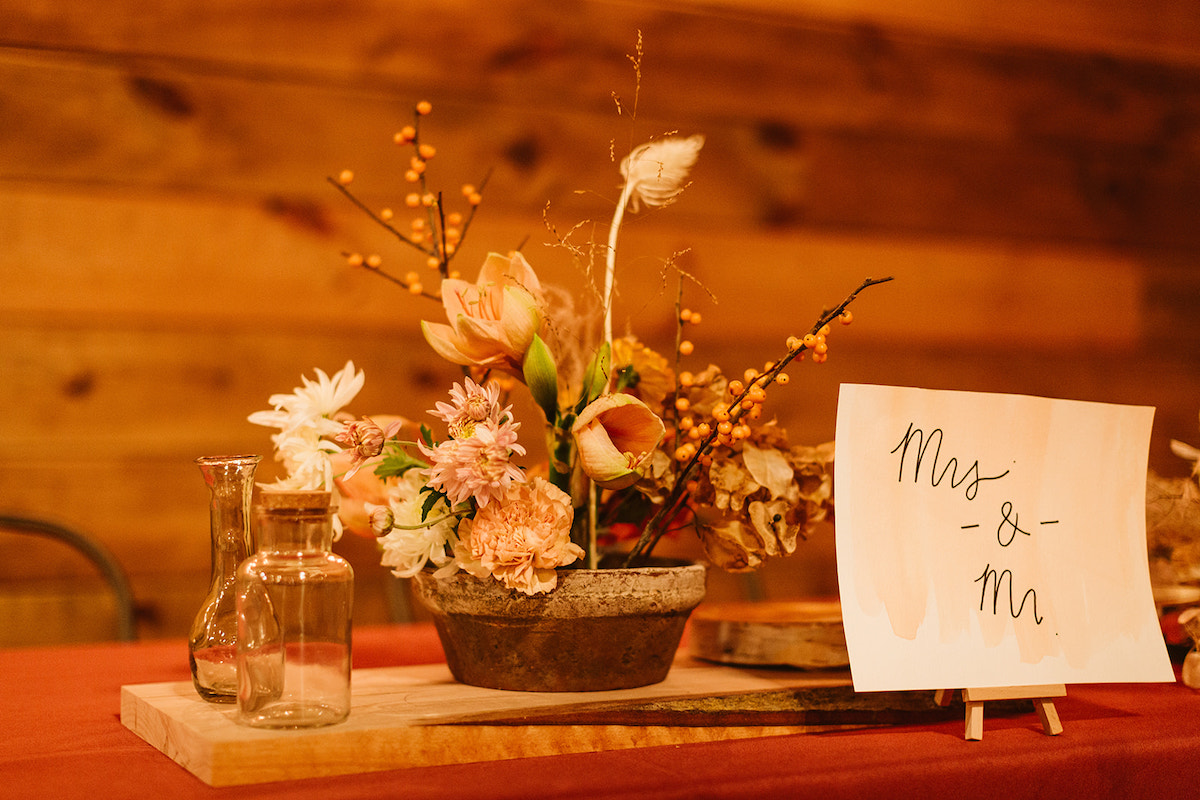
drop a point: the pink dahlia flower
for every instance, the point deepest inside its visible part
(472, 405)
(479, 466)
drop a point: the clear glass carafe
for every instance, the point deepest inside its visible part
(294, 599)
(212, 643)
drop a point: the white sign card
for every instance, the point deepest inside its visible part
(989, 540)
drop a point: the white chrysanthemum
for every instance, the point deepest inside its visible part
(305, 419)
(305, 458)
(407, 549)
(314, 403)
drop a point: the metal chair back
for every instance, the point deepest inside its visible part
(110, 569)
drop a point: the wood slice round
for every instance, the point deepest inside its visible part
(801, 633)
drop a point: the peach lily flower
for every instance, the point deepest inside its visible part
(615, 436)
(492, 321)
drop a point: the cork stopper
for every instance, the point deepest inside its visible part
(276, 501)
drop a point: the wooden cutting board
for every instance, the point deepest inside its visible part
(419, 716)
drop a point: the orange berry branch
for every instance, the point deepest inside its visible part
(434, 232)
(747, 396)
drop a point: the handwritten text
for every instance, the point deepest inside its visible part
(915, 438)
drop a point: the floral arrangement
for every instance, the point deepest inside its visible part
(1173, 524)
(637, 446)
(1173, 545)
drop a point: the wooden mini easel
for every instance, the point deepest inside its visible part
(973, 699)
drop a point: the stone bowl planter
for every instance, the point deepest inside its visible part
(599, 629)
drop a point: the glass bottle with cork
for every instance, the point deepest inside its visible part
(294, 601)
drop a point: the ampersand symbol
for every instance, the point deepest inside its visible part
(1009, 521)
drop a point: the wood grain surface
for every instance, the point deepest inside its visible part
(807, 634)
(172, 254)
(419, 716)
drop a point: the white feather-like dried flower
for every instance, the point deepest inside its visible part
(654, 176)
(655, 172)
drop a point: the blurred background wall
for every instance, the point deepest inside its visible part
(170, 251)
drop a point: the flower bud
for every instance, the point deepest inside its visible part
(541, 376)
(362, 437)
(615, 436)
(382, 519)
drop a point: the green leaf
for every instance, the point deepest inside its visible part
(541, 377)
(396, 461)
(595, 377)
(433, 497)
(627, 378)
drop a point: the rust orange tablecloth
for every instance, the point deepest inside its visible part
(62, 738)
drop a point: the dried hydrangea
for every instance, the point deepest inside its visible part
(759, 500)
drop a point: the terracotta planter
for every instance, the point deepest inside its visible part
(599, 629)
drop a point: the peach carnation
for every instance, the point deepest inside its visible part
(522, 538)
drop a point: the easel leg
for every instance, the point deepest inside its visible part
(1048, 714)
(974, 717)
(1042, 697)
(974, 730)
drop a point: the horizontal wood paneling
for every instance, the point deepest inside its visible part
(1030, 174)
(113, 452)
(161, 415)
(1158, 29)
(827, 130)
(174, 262)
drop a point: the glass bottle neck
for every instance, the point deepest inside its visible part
(295, 531)
(230, 483)
(227, 515)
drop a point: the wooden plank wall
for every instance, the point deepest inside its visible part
(170, 250)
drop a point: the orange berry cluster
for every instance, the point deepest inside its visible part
(816, 343)
(728, 421)
(690, 436)
(744, 399)
(687, 317)
(433, 231)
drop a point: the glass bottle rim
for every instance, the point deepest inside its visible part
(246, 458)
